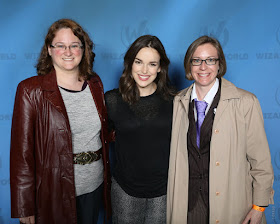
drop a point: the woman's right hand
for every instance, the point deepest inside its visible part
(28, 220)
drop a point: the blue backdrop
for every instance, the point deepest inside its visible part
(249, 31)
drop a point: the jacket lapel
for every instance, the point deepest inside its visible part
(97, 93)
(52, 94)
(228, 91)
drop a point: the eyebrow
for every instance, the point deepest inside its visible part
(61, 42)
(207, 57)
(149, 62)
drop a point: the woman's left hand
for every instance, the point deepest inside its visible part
(254, 216)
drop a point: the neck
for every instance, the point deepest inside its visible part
(201, 91)
(148, 90)
(69, 81)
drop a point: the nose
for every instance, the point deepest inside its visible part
(68, 51)
(144, 68)
(203, 65)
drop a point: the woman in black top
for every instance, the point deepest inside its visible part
(140, 114)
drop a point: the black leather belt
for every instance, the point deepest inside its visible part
(87, 157)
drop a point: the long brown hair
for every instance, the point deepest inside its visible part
(192, 48)
(45, 65)
(127, 85)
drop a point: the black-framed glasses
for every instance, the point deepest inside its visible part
(62, 47)
(208, 61)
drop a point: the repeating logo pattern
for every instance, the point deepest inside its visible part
(278, 35)
(277, 159)
(220, 32)
(129, 35)
(277, 96)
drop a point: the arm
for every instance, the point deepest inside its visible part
(110, 100)
(22, 163)
(258, 155)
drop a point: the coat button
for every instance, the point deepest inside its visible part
(217, 221)
(217, 163)
(216, 131)
(217, 193)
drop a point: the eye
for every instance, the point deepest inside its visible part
(196, 60)
(153, 64)
(75, 46)
(137, 62)
(211, 59)
(60, 46)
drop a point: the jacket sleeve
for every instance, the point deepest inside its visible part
(22, 162)
(258, 154)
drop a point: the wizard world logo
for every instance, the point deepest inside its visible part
(129, 34)
(277, 96)
(277, 160)
(278, 35)
(219, 32)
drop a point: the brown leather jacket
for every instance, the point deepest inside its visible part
(41, 160)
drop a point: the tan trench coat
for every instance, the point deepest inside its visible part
(240, 170)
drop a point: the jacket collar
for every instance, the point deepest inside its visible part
(228, 91)
(53, 95)
(49, 82)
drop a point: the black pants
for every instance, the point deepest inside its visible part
(199, 214)
(88, 206)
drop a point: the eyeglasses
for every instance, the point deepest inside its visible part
(62, 47)
(208, 61)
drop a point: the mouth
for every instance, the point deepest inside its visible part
(67, 59)
(143, 77)
(203, 75)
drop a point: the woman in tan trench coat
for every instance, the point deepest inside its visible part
(239, 171)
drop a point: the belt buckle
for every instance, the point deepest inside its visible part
(85, 158)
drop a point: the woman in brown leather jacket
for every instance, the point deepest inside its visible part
(59, 133)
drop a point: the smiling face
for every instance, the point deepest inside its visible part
(144, 70)
(205, 75)
(66, 60)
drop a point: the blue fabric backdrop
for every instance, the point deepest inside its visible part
(249, 32)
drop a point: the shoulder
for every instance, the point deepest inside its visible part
(229, 89)
(112, 94)
(112, 97)
(245, 99)
(31, 84)
(95, 79)
(184, 93)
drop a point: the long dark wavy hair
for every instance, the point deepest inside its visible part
(45, 65)
(127, 85)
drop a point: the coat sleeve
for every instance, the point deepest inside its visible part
(258, 154)
(22, 162)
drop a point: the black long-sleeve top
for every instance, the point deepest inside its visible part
(142, 144)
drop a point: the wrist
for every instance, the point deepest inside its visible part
(258, 208)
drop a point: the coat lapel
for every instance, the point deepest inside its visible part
(53, 95)
(97, 93)
(228, 91)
